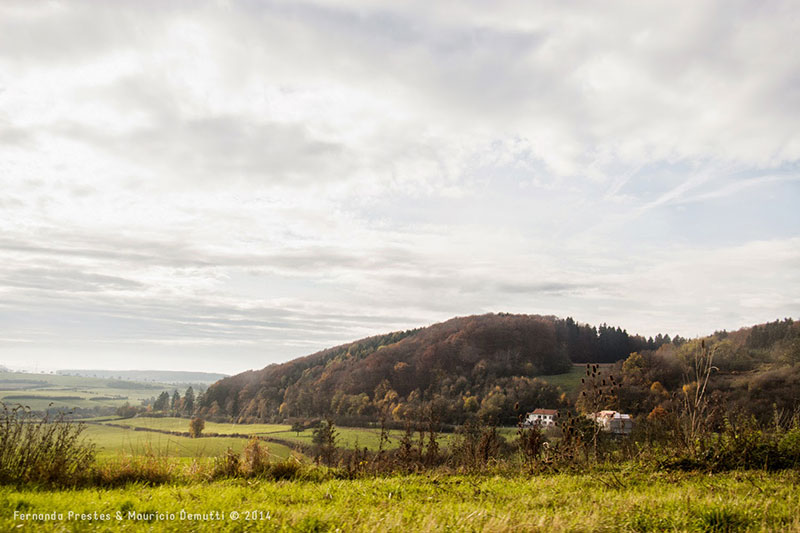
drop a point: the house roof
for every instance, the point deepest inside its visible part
(544, 412)
(612, 414)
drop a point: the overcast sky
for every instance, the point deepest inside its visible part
(222, 185)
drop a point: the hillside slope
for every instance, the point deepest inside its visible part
(450, 369)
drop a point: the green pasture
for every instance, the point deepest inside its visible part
(39, 391)
(737, 501)
(347, 437)
(182, 424)
(568, 382)
(113, 441)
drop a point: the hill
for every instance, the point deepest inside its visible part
(467, 365)
(755, 373)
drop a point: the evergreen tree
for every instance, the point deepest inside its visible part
(188, 401)
(162, 402)
(176, 401)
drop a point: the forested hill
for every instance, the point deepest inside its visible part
(451, 367)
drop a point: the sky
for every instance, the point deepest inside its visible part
(217, 186)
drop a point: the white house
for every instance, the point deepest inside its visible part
(614, 422)
(542, 417)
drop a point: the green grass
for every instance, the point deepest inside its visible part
(346, 437)
(569, 382)
(112, 442)
(739, 501)
(38, 391)
(182, 424)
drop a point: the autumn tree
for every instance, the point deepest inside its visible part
(196, 427)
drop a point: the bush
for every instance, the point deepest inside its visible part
(41, 449)
(255, 460)
(286, 469)
(148, 469)
(254, 463)
(789, 445)
(226, 465)
(741, 444)
(196, 427)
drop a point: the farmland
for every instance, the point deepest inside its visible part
(346, 437)
(111, 442)
(40, 391)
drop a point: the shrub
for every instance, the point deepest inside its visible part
(226, 465)
(149, 469)
(196, 427)
(37, 449)
(255, 460)
(286, 469)
(531, 443)
(789, 445)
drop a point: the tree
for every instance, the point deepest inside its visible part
(162, 402)
(127, 411)
(297, 427)
(325, 438)
(196, 427)
(188, 401)
(176, 401)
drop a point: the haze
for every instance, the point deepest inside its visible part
(216, 186)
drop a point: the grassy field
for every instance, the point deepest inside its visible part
(182, 424)
(741, 501)
(571, 381)
(346, 437)
(38, 391)
(112, 442)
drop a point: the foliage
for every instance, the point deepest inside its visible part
(324, 437)
(127, 411)
(480, 364)
(148, 468)
(196, 427)
(41, 449)
(255, 459)
(531, 442)
(162, 402)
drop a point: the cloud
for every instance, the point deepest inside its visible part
(274, 177)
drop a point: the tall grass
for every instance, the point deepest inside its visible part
(41, 449)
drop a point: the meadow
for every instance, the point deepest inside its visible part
(347, 437)
(569, 382)
(111, 442)
(737, 501)
(40, 391)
